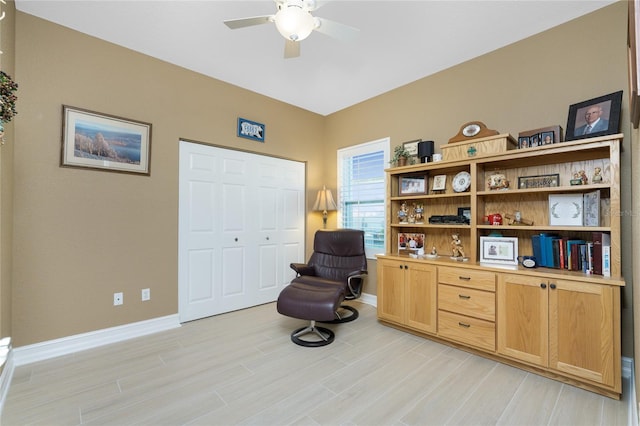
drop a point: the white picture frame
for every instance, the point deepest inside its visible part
(566, 210)
(439, 182)
(499, 251)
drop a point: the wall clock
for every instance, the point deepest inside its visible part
(472, 130)
(461, 182)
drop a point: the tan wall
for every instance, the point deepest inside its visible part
(523, 86)
(7, 40)
(81, 235)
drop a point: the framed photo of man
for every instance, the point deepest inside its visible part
(595, 117)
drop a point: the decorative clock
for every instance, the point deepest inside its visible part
(461, 182)
(472, 130)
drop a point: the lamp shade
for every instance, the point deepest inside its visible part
(324, 201)
(294, 23)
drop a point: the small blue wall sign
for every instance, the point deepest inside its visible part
(250, 130)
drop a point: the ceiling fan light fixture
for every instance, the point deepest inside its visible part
(294, 23)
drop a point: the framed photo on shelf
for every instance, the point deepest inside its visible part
(499, 250)
(566, 210)
(465, 212)
(439, 182)
(540, 181)
(412, 147)
(410, 185)
(595, 117)
(408, 242)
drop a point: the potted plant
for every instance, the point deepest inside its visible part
(400, 156)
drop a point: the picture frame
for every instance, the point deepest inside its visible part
(547, 138)
(566, 210)
(465, 212)
(410, 242)
(105, 142)
(542, 132)
(523, 142)
(540, 181)
(605, 108)
(412, 184)
(439, 182)
(412, 147)
(499, 250)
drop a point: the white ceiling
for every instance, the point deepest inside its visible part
(399, 41)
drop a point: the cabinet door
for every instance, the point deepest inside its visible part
(421, 292)
(582, 331)
(391, 290)
(523, 318)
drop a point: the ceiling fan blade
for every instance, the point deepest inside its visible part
(336, 29)
(248, 22)
(291, 49)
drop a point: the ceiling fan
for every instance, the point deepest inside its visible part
(295, 22)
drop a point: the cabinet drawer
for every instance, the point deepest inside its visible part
(467, 278)
(467, 301)
(470, 331)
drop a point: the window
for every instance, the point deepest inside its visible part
(361, 191)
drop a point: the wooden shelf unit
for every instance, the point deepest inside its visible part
(555, 322)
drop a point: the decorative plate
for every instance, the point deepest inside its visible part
(461, 182)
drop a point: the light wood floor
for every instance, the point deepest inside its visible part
(241, 368)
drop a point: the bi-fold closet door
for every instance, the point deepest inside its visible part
(241, 223)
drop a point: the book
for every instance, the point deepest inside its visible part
(600, 239)
(606, 261)
(535, 245)
(573, 254)
(591, 208)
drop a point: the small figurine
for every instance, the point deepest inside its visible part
(456, 246)
(517, 219)
(434, 252)
(583, 177)
(403, 213)
(597, 175)
(418, 210)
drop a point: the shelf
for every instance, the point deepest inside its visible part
(431, 225)
(541, 228)
(429, 196)
(555, 189)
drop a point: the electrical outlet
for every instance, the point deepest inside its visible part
(118, 299)
(146, 294)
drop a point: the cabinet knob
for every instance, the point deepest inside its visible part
(406, 266)
(543, 285)
(235, 239)
(464, 278)
(462, 324)
(553, 286)
(462, 296)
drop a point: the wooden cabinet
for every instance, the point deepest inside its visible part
(564, 324)
(568, 326)
(409, 295)
(467, 307)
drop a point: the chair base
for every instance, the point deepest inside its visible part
(326, 336)
(342, 318)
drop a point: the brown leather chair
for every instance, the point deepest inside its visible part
(335, 272)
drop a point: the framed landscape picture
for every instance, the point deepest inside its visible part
(104, 142)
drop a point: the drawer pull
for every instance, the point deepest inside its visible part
(461, 324)
(462, 296)
(464, 278)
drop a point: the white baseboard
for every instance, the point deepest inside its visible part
(629, 374)
(369, 299)
(80, 342)
(5, 379)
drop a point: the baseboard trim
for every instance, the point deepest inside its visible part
(369, 299)
(5, 379)
(80, 342)
(629, 374)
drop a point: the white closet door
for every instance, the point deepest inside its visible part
(241, 222)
